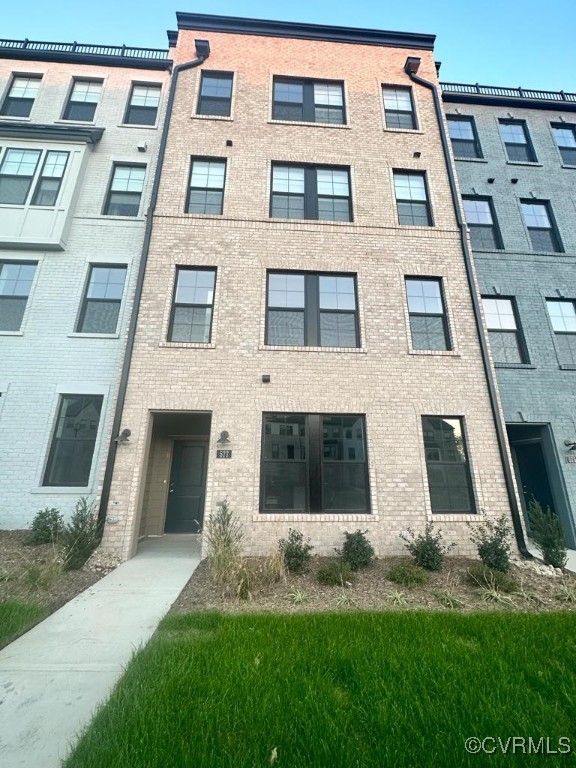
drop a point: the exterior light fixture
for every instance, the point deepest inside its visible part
(122, 438)
(412, 65)
(570, 444)
(224, 438)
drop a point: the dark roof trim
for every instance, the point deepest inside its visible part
(172, 37)
(506, 101)
(99, 55)
(496, 95)
(51, 132)
(240, 26)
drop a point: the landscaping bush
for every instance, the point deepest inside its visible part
(492, 541)
(47, 527)
(479, 575)
(224, 535)
(357, 550)
(428, 548)
(80, 536)
(336, 574)
(546, 534)
(408, 574)
(295, 551)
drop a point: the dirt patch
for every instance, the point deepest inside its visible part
(540, 589)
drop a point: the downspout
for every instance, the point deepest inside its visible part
(202, 53)
(411, 67)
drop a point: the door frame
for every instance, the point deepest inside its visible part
(198, 440)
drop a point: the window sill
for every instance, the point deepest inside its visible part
(470, 159)
(488, 250)
(76, 122)
(77, 490)
(15, 119)
(524, 162)
(212, 117)
(435, 352)
(573, 167)
(287, 348)
(140, 126)
(93, 335)
(108, 217)
(11, 333)
(321, 517)
(186, 345)
(309, 125)
(567, 367)
(414, 131)
(204, 215)
(528, 366)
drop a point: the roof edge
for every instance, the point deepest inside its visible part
(91, 135)
(508, 101)
(106, 60)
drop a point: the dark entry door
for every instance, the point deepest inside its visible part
(533, 474)
(185, 511)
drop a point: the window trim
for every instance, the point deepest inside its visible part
(519, 331)
(450, 347)
(123, 164)
(311, 196)
(532, 157)
(424, 175)
(6, 96)
(413, 113)
(67, 102)
(308, 103)
(475, 142)
(215, 73)
(33, 178)
(564, 126)
(173, 305)
(495, 226)
(205, 158)
(40, 176)
(27, 262)
(555, 334)
(84, 300)
(553, 229)
(136, 83)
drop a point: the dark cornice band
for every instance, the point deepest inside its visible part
(51, 132)
(102, 60)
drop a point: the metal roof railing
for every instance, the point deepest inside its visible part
(124, 51)
(514, 93)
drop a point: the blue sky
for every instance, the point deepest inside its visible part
(493, 42)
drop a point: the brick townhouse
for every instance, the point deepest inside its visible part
(515, 152)
(79, 132)
(308, 341)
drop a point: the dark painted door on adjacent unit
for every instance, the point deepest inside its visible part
(185, 511)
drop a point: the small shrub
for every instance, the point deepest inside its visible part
(80, 537)
(224, 535)
(345, 599)
(528, 595)
(449, 599)
(246, 581)
(356, 550)
(397, 598)
(566, 593)
(547, 535)
(298, 596)
(428, 548)
(492, 594)
(408, 574)
(492, 541)
(337, 574)
(295, 550)
(480, 576)
(41, 577)
(47, 527)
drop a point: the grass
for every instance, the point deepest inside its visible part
(17, 617)
(350, 690)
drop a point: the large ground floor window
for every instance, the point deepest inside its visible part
(314, 463)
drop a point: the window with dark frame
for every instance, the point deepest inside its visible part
(428, 322)
(541, 226)
(125, 191)
(192, 305)
(102, 300)
(311, 309)
(206, 188)
(481, 220)
(16, 173)
(447, 465)
(16, 279)
(563, 318)
(565, 137)
(506, 340)
(517, 141)
(311, 192)
(21, 96)
(50, 179)
(464, 138)
(215, 94)
(399, 108)
(73, 441)
(143, 104)
(314, 463)
(311, 101)
(83, 100)
(412, 199)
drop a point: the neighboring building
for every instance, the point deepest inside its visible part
(307, 345)
(515, 153)
(79, 136)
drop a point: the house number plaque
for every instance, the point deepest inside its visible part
(570, 459)
(222, 454)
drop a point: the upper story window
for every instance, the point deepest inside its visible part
(310, 101)
(506, 340)
(101, 305)
(563, 318)
(50, 179)
(465, 142)
(428, 323)
(143, 104)
(412, 198)
(215, 94)
(126, 185)
(311, 192)
(83, 100)
(20, 98)
(541, 226)
(206, 189)
(517, 141)
(482, 224)
(398, 108)
(565, 136)
(15, 283)
(191, 318)
(447, 465)
(16, 174)
(315, 310)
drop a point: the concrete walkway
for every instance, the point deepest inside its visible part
(53, 677)
(570, 556)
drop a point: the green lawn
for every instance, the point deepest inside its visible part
(16, 617)
(340, 691)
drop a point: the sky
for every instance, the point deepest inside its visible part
(492, 42)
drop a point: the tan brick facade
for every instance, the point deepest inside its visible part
(384, 379)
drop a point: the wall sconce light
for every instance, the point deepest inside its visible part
(122, 438)
(224, 438)
(142, 147)
(570, 444)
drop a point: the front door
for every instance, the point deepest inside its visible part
(185, 510)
